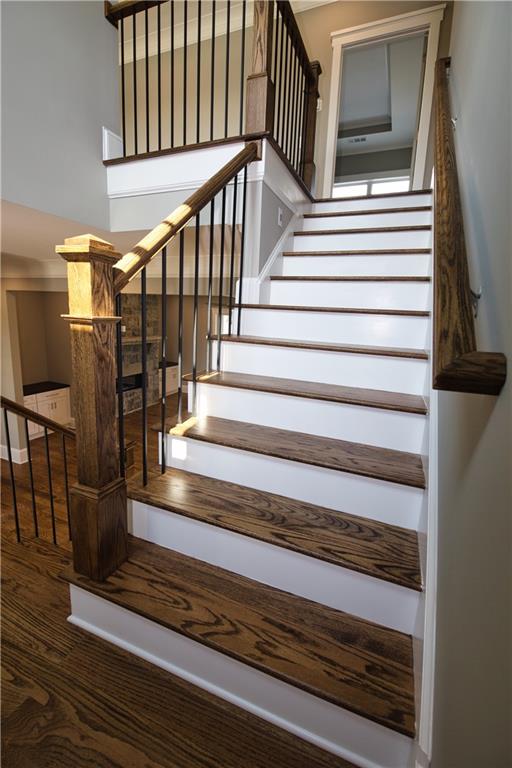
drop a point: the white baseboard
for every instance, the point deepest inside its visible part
(19, 455)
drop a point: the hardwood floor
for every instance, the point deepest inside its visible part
(350, 662)
(70, 700)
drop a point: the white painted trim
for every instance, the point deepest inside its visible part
(112, 144)
(424, 18)
(282, 245)
(332, 728)
(19, 455)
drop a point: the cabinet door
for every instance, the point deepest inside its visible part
(34, 430)
(60, 408)
(44, 409)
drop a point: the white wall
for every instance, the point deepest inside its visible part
(473, 694)
(59, 86)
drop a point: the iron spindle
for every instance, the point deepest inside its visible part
(146, 67)
(242, 249)
(159, 74)
(163, 401)
(185, 22)
(144, 319)
(221, 274)
(279, 96)
(226, 94)
(210, 281)
(66, 483)
(123, 88)
(286, 93)
(180, 327)
(171, 111)
(13, 480)
(134, 54)
(31, 476)
(242, 73)
(195, 320)
(120, 395)
(50, 485)
(232, 265)
(198, 76)
(212, 73)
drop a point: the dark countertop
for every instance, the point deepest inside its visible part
(42, 386)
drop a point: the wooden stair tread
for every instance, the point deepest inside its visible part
(364, 230)
(367, 212)
(372, 252)
(410, 193)
(383, 551)
(418, 354)
(350, 662)
(339, 310)
(339, 455)
(353, 278)
(335, 393)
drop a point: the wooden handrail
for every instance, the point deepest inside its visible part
(457, 365)
(124, 8)
(140, 256)
(28, 413)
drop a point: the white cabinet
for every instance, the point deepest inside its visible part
(54, 404)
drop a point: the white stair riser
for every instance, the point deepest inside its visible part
(338, 328)
(361, 241)
(308, 717)
(394, 374)
(389, 265)
(354, 494)
(372, 203)
(372, 426)
(362, 295)
(398, 219)
(369, 598)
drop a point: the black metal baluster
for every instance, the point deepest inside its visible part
(221, 275)
(50, 486)
(13, 480)
(144, 358)
(198, 74)
(163, 401)
(134, 54)
(159, 74)
(232, 265)
(120, 394)
(180, 327)
(66, 483)
(172, 74)
(286, 93)
(295, 120)
(279, 96)
(123, 88)
(291, 114)
(242, 251)
(185, 23)
(195, 328)
(226, 86)
(146, 65)
(242, 73)
(31, 475)
(210, 282)
(304, 118)
(212, 74)
(275, 41)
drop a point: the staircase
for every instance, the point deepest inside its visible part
(277, 563)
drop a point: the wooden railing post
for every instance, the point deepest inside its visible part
(259, 115)
(98, 500)
(311, 108)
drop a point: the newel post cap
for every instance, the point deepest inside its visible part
(87, 248)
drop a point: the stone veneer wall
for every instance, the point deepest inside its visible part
(132, 350)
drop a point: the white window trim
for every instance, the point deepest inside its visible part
(428, 19)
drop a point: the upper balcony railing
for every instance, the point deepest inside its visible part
(205, 71)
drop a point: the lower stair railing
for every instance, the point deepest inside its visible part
(96, 276)
(18, 478)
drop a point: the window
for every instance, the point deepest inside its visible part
(388, 187)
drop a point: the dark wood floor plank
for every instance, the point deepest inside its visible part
(323, 651)
(382, 551)
(339, 455)
(419, 354)
(100, 707)
(335, 393)
(337, 310)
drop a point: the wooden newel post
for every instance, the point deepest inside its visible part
(259, 115)
(311, 109)
(98, 500)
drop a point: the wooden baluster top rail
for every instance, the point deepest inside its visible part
(124, 8)
(457, 365)
(27, 413)
(140, 256)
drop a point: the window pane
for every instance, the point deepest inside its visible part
(384, 187)
(349, 190)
